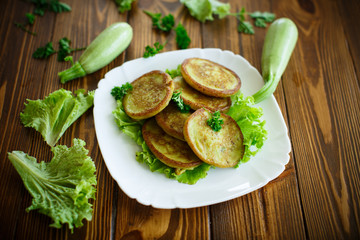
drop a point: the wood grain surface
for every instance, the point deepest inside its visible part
(316, 197)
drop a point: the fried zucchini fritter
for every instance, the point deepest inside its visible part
(151, 93)
(169, 150)
(221, 149)
(196, 99)
(209, 77)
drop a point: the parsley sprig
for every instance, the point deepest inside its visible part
(260, 20)
(215, 121)
(152, 51)
(182, 38)
(40, 7)
(30, 19)
(165, 23)
(50, 5)
(119, 92)
(176, 98)
(48, 50)
(65, 49)
(124, 5)
(44, 52)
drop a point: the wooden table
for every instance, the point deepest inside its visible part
(316, 197)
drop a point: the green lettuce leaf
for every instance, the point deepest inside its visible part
(242, 111)
(252, 126)
(203, 10)
(132, 129)
(62, 187)
(54, 114)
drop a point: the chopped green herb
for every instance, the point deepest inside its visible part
(182, 38)
(124, 5)
(176, 98)
(65, 49)
(165, 23)
(30, 17)
(260, 23)
(59, 7)
(119, 92)
(245, 27)
(215, 121)
(44, 52)
(150, 51)
(30, 21)
(22, 26)
(174, 72)
(262, 18)
(52, 5)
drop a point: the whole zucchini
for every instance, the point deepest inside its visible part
(280, 41)
(105, 48)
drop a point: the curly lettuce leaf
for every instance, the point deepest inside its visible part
(203, 10)
(132, 129)
(54, 114)
(252, 126)
(61, 188)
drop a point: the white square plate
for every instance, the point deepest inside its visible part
(152, 188)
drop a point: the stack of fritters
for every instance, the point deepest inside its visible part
(184, 140)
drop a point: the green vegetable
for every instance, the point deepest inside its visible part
(165, 23)
(124, 5)
(62, 187)
(203, 10)
(132, 129)
(176, 98)
(104, 49)
(174, 72)
(54, 114)
(52, 5)
(249, 120)
(152, 51)
(280, 41)
(182, 38)
(215, 121)
(44, 52)
(119, 92)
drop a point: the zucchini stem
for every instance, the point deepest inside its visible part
(75, 71)
(269, 88)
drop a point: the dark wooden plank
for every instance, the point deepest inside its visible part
(24, 77)
(348, 13)
(18, 82)
(275, 210)
(133, 220)
(322, 97)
